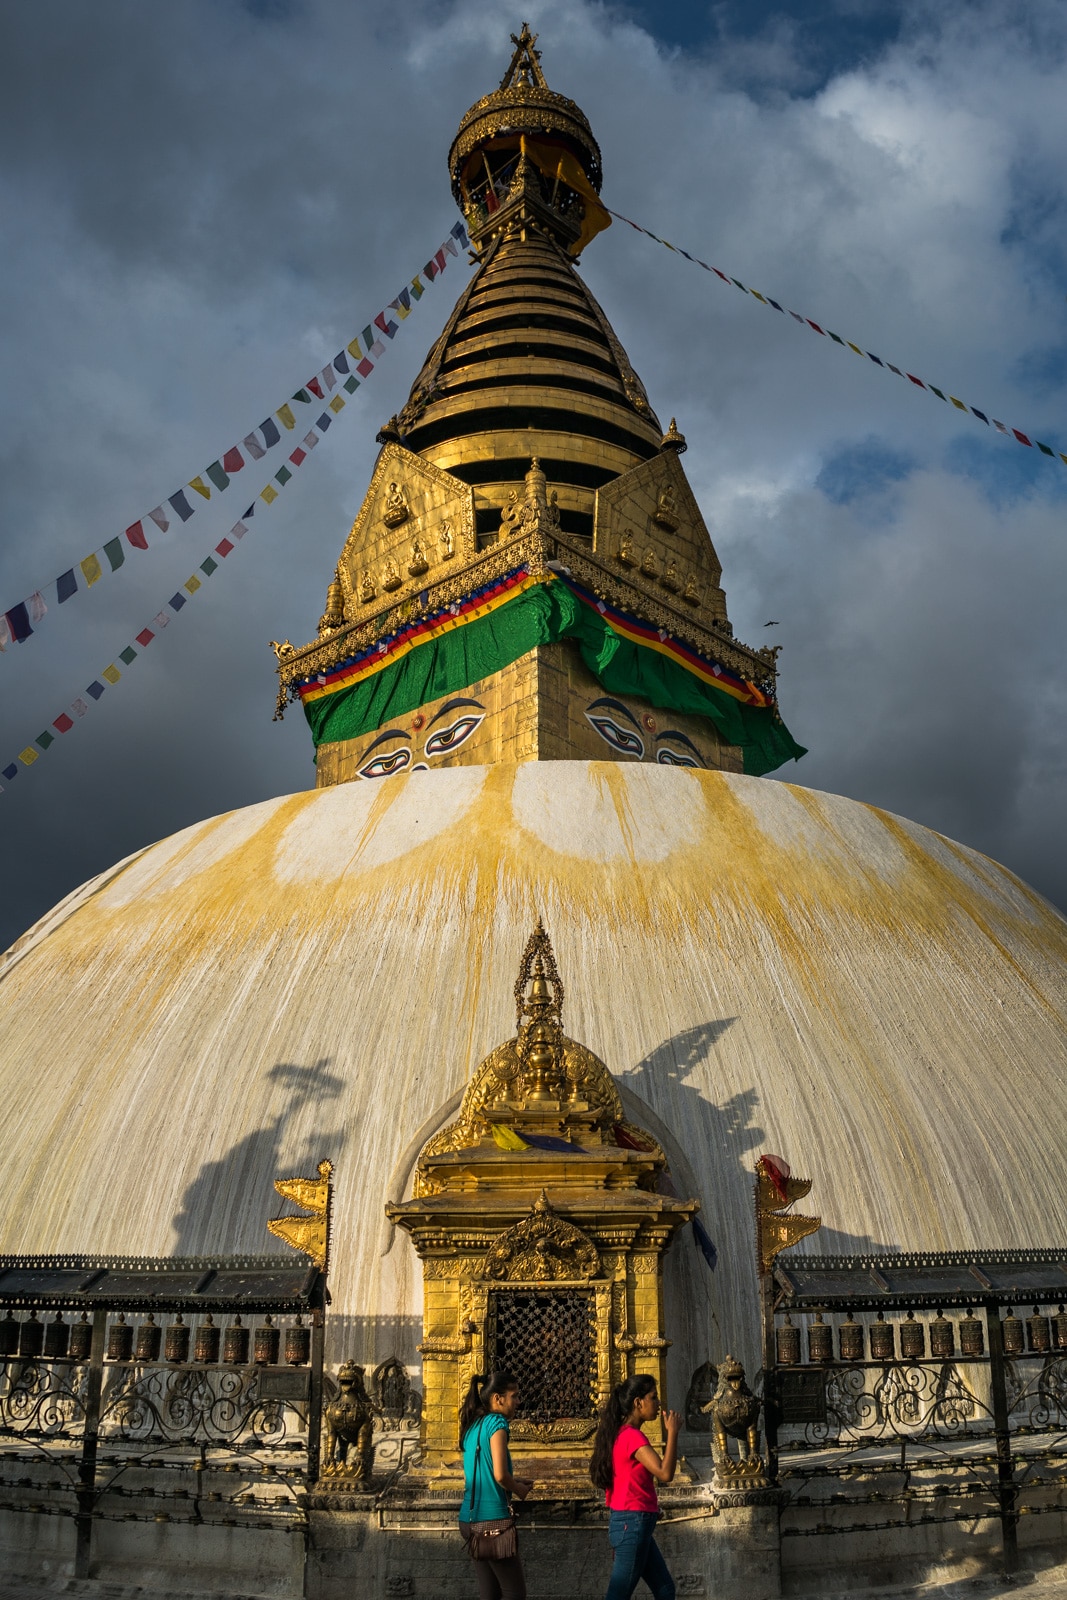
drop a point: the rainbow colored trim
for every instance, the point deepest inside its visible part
(482, 602)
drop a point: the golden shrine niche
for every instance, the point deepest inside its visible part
(541, 1221)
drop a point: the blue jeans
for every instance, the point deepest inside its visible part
(637, 1556)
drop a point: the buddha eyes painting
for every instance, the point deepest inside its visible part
(392, 752)
(619, 728)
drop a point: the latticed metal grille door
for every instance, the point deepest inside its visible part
(547, 1337)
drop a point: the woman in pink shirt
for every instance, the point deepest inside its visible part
(628, 1468)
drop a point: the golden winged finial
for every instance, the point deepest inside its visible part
(525, 65)
(776, 1191)
(311, 1234)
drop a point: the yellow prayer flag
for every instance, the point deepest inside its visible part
(201, 487)
(508, 1139)
(753, 292)
(354, 350)
(957, 403)
(192, 584)
(269, 494)
(91, 570)
(28, 756)
(557, 163)
(337, 403)
(112, 673)
(855, 347)
(285, 416)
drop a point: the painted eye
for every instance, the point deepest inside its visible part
(622, 739)
(671, 758)
(448, 738)
(385, 765)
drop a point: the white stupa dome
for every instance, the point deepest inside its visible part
(761, 967)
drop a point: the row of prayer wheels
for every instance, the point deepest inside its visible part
(59, 1339)
(1039, 1335)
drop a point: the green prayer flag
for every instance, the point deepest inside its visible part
(209, 566)
(351, 384)
(128, 655)
(115, 553)
(283, 475)
(45, 739)
(218, 477)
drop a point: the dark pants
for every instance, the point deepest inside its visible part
(497, 1580)
(637, 1556)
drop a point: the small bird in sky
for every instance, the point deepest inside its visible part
(770, 624)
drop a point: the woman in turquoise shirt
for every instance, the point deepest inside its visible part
(488, 1479)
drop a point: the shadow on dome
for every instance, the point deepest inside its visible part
(721, 1141)
(226, 1206)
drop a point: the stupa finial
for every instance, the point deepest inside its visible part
(525, 65)
(538, 989)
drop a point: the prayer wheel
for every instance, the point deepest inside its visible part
(56, 1337)
(149, 1339)
(912, 1339)
(235, 1344)
(1012, 1335)
(942, 1336)
(850, 1339)
(297, 1344)
(9, 1336)
(972, 1335)
(208, 1336)
(120, 1340)
(1059, 1329)
(31, 1336)
(81, 1339)
(787, 1342)
(176, 1342)
(820, 1340)
(881, 1337)
(1038, 1332)
(268, 1339)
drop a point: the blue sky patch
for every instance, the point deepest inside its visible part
(862, 469)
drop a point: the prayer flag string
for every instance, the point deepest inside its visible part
(354, 363)
(867, 355)
(113, 672)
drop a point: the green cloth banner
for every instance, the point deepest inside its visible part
(458, 657)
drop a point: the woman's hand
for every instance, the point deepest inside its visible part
(672, 1421)
(522, 1486)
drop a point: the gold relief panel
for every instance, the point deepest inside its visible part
(648, 526)
(414, 518)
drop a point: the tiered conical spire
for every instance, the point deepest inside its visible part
(529, 576)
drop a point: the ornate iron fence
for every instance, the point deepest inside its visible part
(210, 1413)
(912, 1382)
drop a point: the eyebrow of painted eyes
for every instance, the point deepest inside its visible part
(451, 705)
(390, 733)
(616, 705)
(680, 738)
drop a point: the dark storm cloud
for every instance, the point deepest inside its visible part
(203, 202)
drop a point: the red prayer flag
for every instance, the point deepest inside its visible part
(63, 723)
(135, 534)
(298, 456)
(224, 548)
(233, 460)
(814, 325)
(316, 387)
(1022, 437)
(145, 637)
(916, 380)
(777, 1171)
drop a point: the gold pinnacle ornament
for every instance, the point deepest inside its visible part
(776, 1190)
(310, 1234)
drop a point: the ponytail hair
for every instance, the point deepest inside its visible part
(477, 1402)
(613, 1419)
